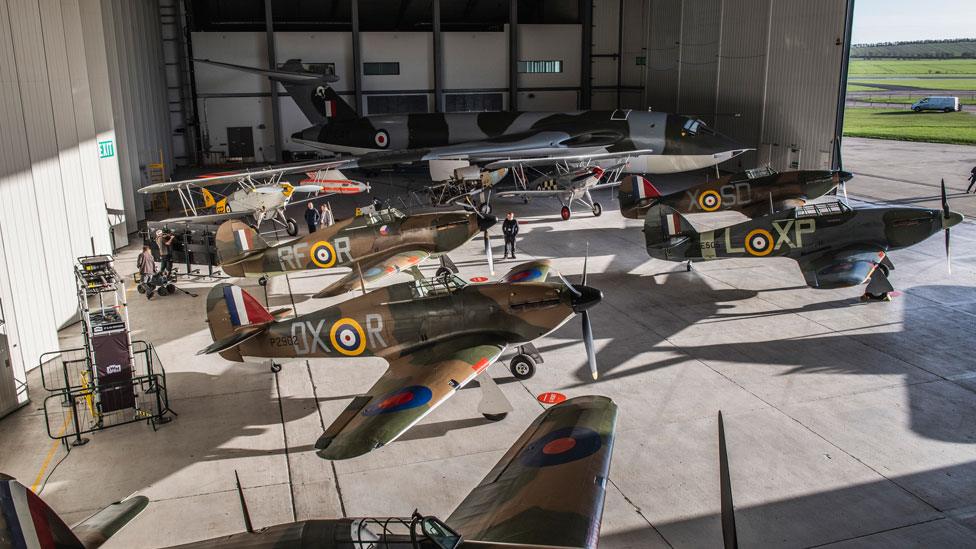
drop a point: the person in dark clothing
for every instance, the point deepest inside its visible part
(510, 229)
(311, 218)
(164, 241)
(972, 180)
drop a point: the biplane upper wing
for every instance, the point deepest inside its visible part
(373, 270)
(233, 177)
(412, 386)
(571, 157)
(548, 489)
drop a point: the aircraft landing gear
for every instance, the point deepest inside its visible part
(565, 213)
(597, 209)
(495, 417)
(263, 281)
(688, 266)
(524, 362)
(275, 367)
(442, 272)
(868, 296)
(291, 227)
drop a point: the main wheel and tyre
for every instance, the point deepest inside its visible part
(565, 213)
(917, 109)
(291, 227)
(495, 417)
(597, 209)
(522, 367)
(443, 272)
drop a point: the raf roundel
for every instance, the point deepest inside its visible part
(561, 446)
(382, 139)
(401, 399)
(322, 254)
(710, 201)
(759, 242)
(347, 337)
(528, 274)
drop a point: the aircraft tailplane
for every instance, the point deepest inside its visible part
(234, 316)
(237, 242)
(27, 521)
(666, 231)
(310, 91)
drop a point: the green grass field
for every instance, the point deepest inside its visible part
(911, 67)
(960, 84)
(905, 125)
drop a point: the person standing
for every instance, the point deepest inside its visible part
(325, 218)
(972, 180)
(164, 241)
(147, 269)
(510, 229)
(311, 218)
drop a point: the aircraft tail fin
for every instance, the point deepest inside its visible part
(27, 521)
(310, 90)
(635, 194)
(237, 242)
(234, 316)
(666, 231)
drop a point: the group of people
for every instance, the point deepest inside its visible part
(146, 262)
(318, 218)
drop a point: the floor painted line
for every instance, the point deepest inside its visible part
(50, 453)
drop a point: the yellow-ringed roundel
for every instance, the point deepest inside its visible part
(381, 138)
(710, 201)
(322, 254)
(759, 242)
(347, 337)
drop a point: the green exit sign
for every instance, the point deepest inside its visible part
(106, 149)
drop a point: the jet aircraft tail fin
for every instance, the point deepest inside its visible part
(665, 231)
(234, 316)
(636, 194)
(27, 521)
(310, 90)
(237, 242)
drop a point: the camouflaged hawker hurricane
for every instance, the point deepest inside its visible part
(436, 334)
(375, 245)
(753, 192)
(656, 142)
(835, 245)
(548, 490)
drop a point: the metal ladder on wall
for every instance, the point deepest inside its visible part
(180, 82)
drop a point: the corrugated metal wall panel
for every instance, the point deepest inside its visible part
(700, 35)
(634, 23)
(664, 34)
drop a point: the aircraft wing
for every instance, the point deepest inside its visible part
(538, 193)
(548, 489)
(531, 271)
(548, 160)
(233, 177)
(210, 218)
(374, 270)
(410, 389)
(846, 267)
(553, 145)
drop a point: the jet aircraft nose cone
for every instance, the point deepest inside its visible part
(486, 222)
(589, 296)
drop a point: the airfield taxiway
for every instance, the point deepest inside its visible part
(848, 423)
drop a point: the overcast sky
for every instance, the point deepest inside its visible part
(895, 20)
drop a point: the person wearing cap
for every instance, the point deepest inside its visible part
(164, 241)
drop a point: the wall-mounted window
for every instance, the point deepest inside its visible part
(472, 102)
(540, 66)
(393, 104)
(317, 68)
(384, 69)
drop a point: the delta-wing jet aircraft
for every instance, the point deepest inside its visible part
(548, 490)
(261, 195)
(753, 192)
(374, 245)
(659, 142)
(437, 335)
(835, 245)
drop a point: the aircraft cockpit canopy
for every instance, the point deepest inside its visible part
(438, 285)
(694, 126)
(388, 215)
(756, 173)
(817, 210)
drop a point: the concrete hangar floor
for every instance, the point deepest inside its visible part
(848, 423)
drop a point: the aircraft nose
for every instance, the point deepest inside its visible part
(588, 297)
(486, 221)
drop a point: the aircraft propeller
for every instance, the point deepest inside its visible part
(585, 303)
(946, 214)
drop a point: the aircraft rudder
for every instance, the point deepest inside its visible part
(665, 229)
(235, 241)
(635, 193)
(28, 521)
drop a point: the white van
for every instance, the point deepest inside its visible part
(945, 104)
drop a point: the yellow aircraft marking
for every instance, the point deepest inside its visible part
(50, 453)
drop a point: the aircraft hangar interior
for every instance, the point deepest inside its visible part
(475, 273)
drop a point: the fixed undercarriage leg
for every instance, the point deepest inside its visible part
(494, 404)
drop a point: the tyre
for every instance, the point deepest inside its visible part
(263, 281)
(442, 272)
(947, 109)
(522, 367)
(171, 288)
(275, 367)
(916, 109)
(162, 291)
(141, 289)
(597, 209)
(291, 227)
(495, 417)
(565, 213)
